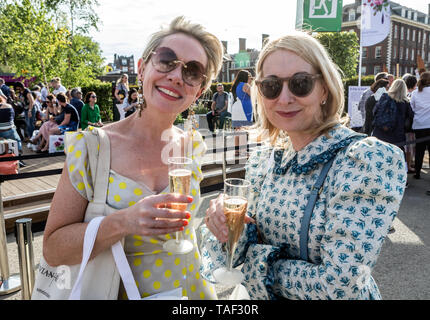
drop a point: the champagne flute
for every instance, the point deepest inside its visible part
(179, 182)
(235, 207)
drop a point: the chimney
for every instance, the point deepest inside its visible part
(224, 44)
(265, 39)
(242, 44)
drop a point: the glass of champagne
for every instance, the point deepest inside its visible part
(179, 182)
(235, 207)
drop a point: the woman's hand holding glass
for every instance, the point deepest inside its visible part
(153, 215)
(216, 220)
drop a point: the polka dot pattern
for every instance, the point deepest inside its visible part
(154, 270)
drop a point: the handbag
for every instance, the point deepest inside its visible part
(237, 113)
(8, 167)
(99, 278)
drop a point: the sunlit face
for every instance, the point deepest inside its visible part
(167, 92)
(288, 112)
(134, 96)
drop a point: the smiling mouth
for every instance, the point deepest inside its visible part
(169, 93)
(288, 114)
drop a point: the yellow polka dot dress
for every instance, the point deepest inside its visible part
(154, 270)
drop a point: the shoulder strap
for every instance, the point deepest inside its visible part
(99, 157)
(315, 192)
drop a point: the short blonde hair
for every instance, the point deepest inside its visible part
(312, 51)
(398, 91)
(210, 43)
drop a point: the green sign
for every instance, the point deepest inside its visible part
(242, 60)
(319, 15)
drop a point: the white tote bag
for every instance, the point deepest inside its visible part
(237, 113)
(101, 279)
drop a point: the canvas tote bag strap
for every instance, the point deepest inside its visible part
(97, 139)
(89, 239)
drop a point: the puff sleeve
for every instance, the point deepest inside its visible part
(77, 164)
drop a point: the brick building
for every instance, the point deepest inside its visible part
(244, 59)
(399, 53)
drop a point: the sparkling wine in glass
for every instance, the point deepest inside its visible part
(235, 208)
(179, 182)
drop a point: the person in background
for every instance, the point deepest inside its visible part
(5, 89)
(91, 112)
(7, 125)
(76, 100)
(378, 88)
(18, 107)
(130, 105)
(241, 89)
(27, 100)
(411, 84)
(218, 108)
(120, 94)
(51, 111)
(420, 103)
(366, 94)
(44, 91)
(300, 100)
(390, 78)
(57, 86)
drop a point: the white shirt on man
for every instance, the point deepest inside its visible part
(420, 104)
(61, 88)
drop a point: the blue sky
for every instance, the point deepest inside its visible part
(127, 24)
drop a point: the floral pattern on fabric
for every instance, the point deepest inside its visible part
(358, 203)
(153, 269)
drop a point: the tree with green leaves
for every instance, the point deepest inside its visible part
(343, 48)
(29, 38)
(36, 40)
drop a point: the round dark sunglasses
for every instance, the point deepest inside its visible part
(165, 60)
(300, 84)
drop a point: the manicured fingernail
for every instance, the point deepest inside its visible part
(185, 223)
(181, 229)
(188, 215)
(190, 199)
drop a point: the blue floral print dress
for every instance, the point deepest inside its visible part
(360, 198)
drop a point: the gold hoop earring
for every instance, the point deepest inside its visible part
(141, 103)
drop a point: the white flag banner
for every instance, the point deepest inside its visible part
(375, 21)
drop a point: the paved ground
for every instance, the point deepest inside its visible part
(402, 271)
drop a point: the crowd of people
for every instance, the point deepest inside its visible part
(33, 115)
(408, 100)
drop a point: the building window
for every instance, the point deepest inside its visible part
(125, 69)
(413, 54)
(413, 35)
(377, 69)
(394, 52)
(428, 56)
(396, 31)
(364, 53)
(378, 51)
(419, 36)
(401, 53)
(351, 15)
(407, 54)
(408, 33)
(409, 14)
(402, 33)
(424, 37)
(363, 70)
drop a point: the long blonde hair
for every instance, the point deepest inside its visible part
(398, 91)
(210, 43)
(312, 51)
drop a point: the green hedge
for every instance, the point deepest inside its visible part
(103, 91)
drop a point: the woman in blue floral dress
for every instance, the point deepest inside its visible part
(300, 100)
